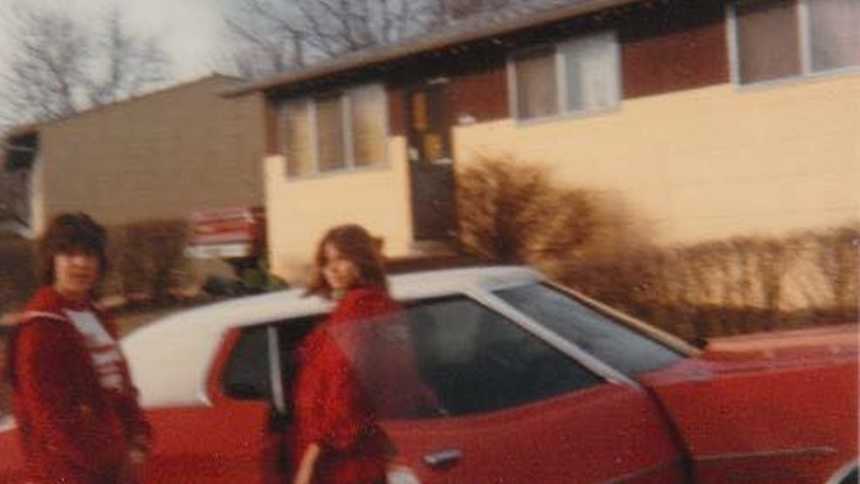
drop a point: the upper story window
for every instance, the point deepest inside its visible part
(776, 39)
(578, 76)
(337, 131)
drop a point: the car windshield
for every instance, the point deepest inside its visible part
(623, 348)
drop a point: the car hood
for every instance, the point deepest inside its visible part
(782, 396)
(780, 349)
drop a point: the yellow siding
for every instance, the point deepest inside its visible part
(708, 163)
(301, 210)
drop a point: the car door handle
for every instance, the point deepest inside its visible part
(443, 458)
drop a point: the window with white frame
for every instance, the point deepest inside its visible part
(578, 76)
(337, 131)
(776, 39)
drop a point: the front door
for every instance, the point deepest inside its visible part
(430, 162)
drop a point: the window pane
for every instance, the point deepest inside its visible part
(537, 94)
(330, 137)
(609, 341)
(835, 33)
(475, 360)
(767, 38)
(247, 374)
(297, 138)
(368, 125)
(591, 73)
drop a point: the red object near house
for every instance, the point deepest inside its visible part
(227, 233)
(532, 383)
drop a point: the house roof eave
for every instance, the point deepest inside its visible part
(426, 43)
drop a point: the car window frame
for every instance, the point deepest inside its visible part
(231, 342)
(610, 374)
(229, 350)
(469, 295)
(630, 322)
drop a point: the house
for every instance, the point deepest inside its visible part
(156, 156)
(709, 119)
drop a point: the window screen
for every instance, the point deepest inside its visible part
(768, 40)
(537, 93)
(834, 33)
(591, 72)
(368, 125)
(330, 133)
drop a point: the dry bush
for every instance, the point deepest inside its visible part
(736, 286)
(838, 256)
(17, 272)
(510, 212)
(147, 258)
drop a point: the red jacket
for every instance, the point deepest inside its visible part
(76, 408)
(335, 407)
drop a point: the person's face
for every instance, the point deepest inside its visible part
(75, 273)
(339, 271)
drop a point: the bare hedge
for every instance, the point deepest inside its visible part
(511, 212)
(740, 285)
(147, 259)
(17, 275)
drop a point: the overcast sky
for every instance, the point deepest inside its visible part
(188, 29)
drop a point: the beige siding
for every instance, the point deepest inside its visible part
(301, 210)
(37, 198)
(157, 156)
(707, 163)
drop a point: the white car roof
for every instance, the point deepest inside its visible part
(169, 359)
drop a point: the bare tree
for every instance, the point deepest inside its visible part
(269, 36)
(57, 65)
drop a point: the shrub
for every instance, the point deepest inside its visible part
(17, 272)
(740, 285)
(148, 259)
(510, 212)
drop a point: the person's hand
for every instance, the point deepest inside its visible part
(136, 456)
(133, 465)
(11, 319)
(305, 473)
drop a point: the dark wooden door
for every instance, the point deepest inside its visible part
(431, 165)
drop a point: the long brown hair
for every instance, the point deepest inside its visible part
(356, 244)
(71, 232)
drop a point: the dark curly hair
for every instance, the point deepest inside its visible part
(356, 244)
(71, 232)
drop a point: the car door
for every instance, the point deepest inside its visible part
(513, 408)
(226, 440)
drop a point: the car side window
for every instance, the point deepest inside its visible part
(476, 360)
(247, 376)
(604, 338)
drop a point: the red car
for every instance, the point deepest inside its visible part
(533, 383)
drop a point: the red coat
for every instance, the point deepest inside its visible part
(76, 408)
(334, 406)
